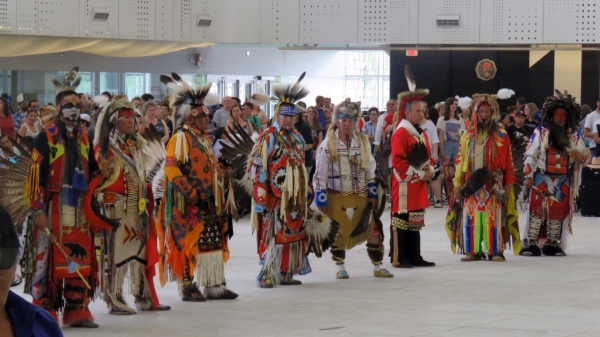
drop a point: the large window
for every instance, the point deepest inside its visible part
(367, 78)
(109, 82)
(134, 84)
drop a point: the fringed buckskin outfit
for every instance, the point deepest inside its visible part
(125, 222)
(550, 162)
(193, 226)
(280, 189)
(488, 215)
(344, 181)
(62, 162)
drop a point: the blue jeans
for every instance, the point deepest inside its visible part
(451, 149)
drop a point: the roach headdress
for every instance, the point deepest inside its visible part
(186, 97)
(287, 96)
(65, 88)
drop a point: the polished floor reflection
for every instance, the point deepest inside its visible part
(525, 296)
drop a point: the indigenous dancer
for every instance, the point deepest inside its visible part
(62, 162)
(553, 165)
(280, 190)
(118, 210)
(412, 169)
(193, 227)
(345, 188)
(484, 179)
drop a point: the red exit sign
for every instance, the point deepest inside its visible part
(412, 52)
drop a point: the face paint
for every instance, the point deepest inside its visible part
(560, 115)
(70, 112)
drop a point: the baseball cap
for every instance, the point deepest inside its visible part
(9, 241)
(84, 117)
(519, 113)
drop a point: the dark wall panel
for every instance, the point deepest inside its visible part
(590, 82)
(431, 70)
(541, 80)
(451, 73)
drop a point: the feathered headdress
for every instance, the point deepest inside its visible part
(344, 110)
(487, 99)
(107, 120)
(405, 97)
(288, 95)
(565, 101)
(67, 87)
(185, 97)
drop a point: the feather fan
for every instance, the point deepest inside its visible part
(475, 181)
(364, 222)
(14, 175)
(417, 156)
(518, 147)
(321, 232)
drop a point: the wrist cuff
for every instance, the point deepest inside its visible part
(321, 198)
(372, 189)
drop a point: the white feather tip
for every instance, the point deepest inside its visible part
(260, 98)
(505, 93)
(211, 99)
(101, 100)
(464, 102)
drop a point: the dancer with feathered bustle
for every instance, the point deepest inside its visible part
(193, 224)
(120, 212)
(280, 189)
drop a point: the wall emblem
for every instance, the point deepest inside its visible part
(486, 69)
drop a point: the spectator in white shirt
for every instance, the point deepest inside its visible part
(222, 115)
(590, 122)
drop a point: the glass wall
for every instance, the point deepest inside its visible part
(368, 78)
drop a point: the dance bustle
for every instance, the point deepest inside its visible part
(475, 181)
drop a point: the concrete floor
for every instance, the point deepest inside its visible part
(524, 296)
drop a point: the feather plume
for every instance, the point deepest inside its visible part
(505, 93)
(181, 82)
(410, 79)
(475, 181)
(291, 94)
(101, 100)
(259, 98)
(169, 82)
(464, 102)
(69, 83)
(211, 99)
